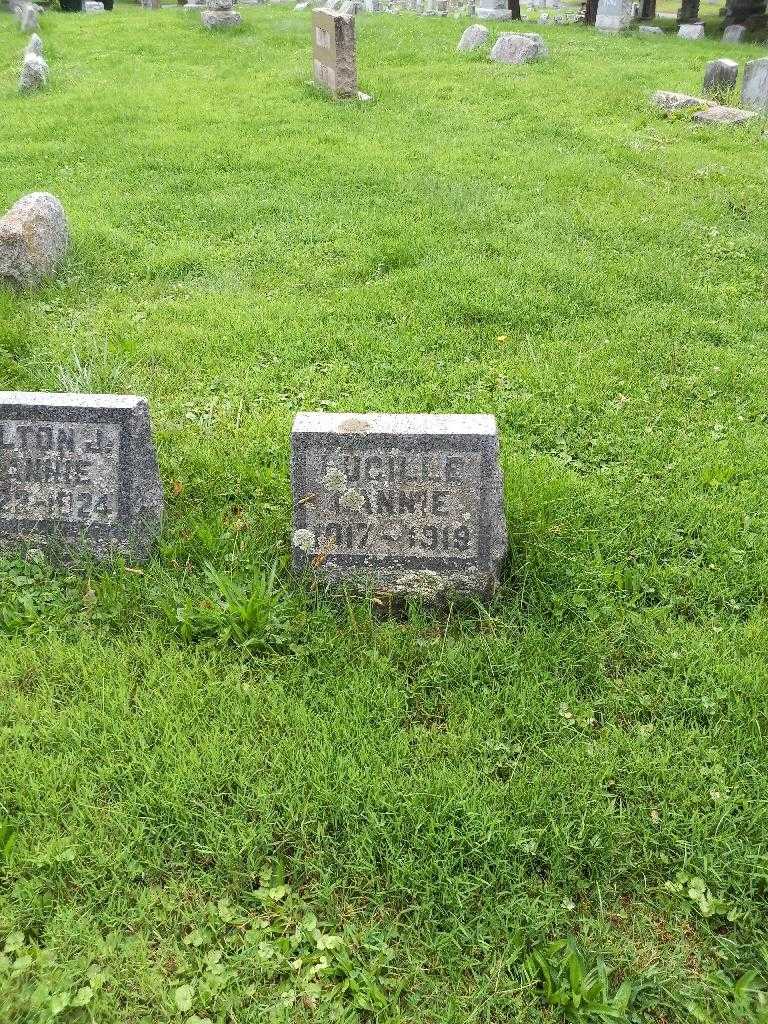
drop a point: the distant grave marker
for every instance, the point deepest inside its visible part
(404, 504)
(614, 15)
(334, 52)
(78, 472)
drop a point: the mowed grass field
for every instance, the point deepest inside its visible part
(227, 796)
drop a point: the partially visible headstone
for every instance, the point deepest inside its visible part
(34, 75)
(613, 15)
(78, 473)
(95, 7)
(334, 52)
(493, 10)
(35, 45)
(442, 8)
(220, 14)
(754, 85)
(28, 19)
(473, 37)
(693, 31)
(302, 6)
(401, 504)
(151, 5)
(715, 114)
(671, 101)
(651, 30)
(34, 236)
(511, 48)
(720, 77)
(734, 34)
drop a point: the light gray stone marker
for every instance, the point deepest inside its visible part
(493, 10)
(34, 234)
(671, 101)
(613, 15)
(754, 86)
(33, 76)
(715, 114)
(220, 14)
(35, 45)
(403, 504)
(473, 37)
(78, 472)
(514, 48)
(720, 77)
(693, 31)
(734, 34)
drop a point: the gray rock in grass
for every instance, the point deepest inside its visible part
(474, 37)
(34, 73)
(672, 101)
(715, 114)
(694, 31)
(513, 48)
(34, 236)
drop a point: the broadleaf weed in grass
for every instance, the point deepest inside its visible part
(258, 616)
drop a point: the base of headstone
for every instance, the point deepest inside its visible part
(493, 14)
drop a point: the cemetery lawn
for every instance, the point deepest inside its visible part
(227, 796)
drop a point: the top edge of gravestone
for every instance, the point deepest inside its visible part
(70, 399)
(378, 423)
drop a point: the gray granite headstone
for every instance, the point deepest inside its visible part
(754, 86)
(734, 34)
(402, 504)
(715, 114)
(692, 31)
(720, 77)
(78, 472)
(473, 37)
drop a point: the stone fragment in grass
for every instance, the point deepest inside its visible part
(399, 504)
(473, 37)
(94, 7)
(693, 31)
(78, 475)
(334, 52)
(720, 77)
(754, 86)
(35, 45)
(34, 73)
(514, 48)
(651, 30)
(715, 114)
(671, 101)
(734, 34)
(34, 236)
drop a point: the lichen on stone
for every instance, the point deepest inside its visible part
(304, 540)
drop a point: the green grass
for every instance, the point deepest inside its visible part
(453, 797)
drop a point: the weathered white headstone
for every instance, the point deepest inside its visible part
(754, 86)
(493, 10)
(720, 77)
(693, 31)
(404, 504)
(35, 45)
(651, 30)
(28, 19)
(613, 15)
(473, 37)
(78, 472)
(734, 34)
